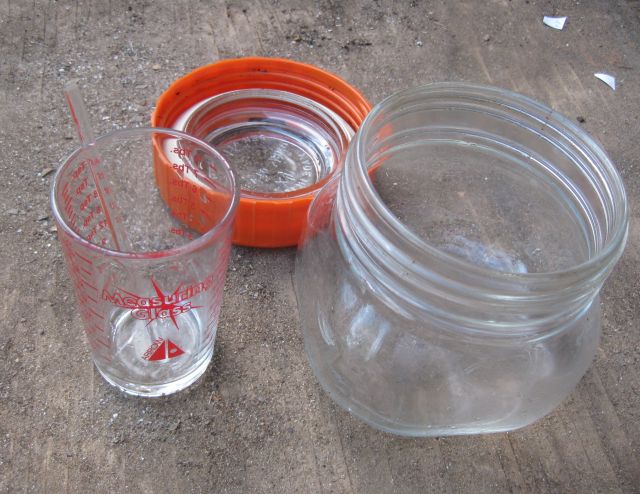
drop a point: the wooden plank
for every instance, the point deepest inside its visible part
(258, 421)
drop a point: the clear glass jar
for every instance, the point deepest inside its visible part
(460, 294)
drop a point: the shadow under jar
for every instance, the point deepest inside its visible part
(448, 280)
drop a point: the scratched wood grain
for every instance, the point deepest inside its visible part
(258, 422)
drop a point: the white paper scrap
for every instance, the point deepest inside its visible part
(554, 22)
(609, 80)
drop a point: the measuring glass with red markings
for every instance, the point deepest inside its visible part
(149, 272)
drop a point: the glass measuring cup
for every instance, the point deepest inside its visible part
(149, 300)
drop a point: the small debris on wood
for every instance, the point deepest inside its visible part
(609, 80)
(554, 22)
(118, 438)
(353, 43)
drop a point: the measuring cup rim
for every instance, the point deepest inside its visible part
(186, 248)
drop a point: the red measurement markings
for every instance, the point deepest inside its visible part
(93, 329)
(95, 313)
(77, 276)
(79, 290)
(88, 301)
(99, 346)
(182, 232)
(97, 211)
(90, 317)
(182, 215)
(82, 298)
(86, 271)
(86, 283)
(180, 200)
(72, 189)
(88, 199)
(66, 195)
(82, 166)
(79, 287)
(82, 186)
(80, 283)
(102, 341)
(72, 218)
(75, 174)
(76, 272)
(83, 258)
(182, 152)
(102, 224)
(100, 193)
(85, 316)
(185, 169)
(181, 183)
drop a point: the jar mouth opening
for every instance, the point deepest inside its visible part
(602, 256)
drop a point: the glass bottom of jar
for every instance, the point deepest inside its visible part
(383, 424)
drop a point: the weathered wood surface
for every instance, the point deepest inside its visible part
(259, 422)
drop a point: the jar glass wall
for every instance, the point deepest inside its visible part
(448, 280)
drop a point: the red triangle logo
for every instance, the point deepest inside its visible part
(173, 350)
(160, 353)
(168, 349)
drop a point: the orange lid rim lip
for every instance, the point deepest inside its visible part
(266, 219)
(356, 101)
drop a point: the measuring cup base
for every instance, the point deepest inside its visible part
(157, 390)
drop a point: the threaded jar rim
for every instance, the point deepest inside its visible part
(372, 223)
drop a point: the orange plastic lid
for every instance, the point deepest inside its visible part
(278, 123)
